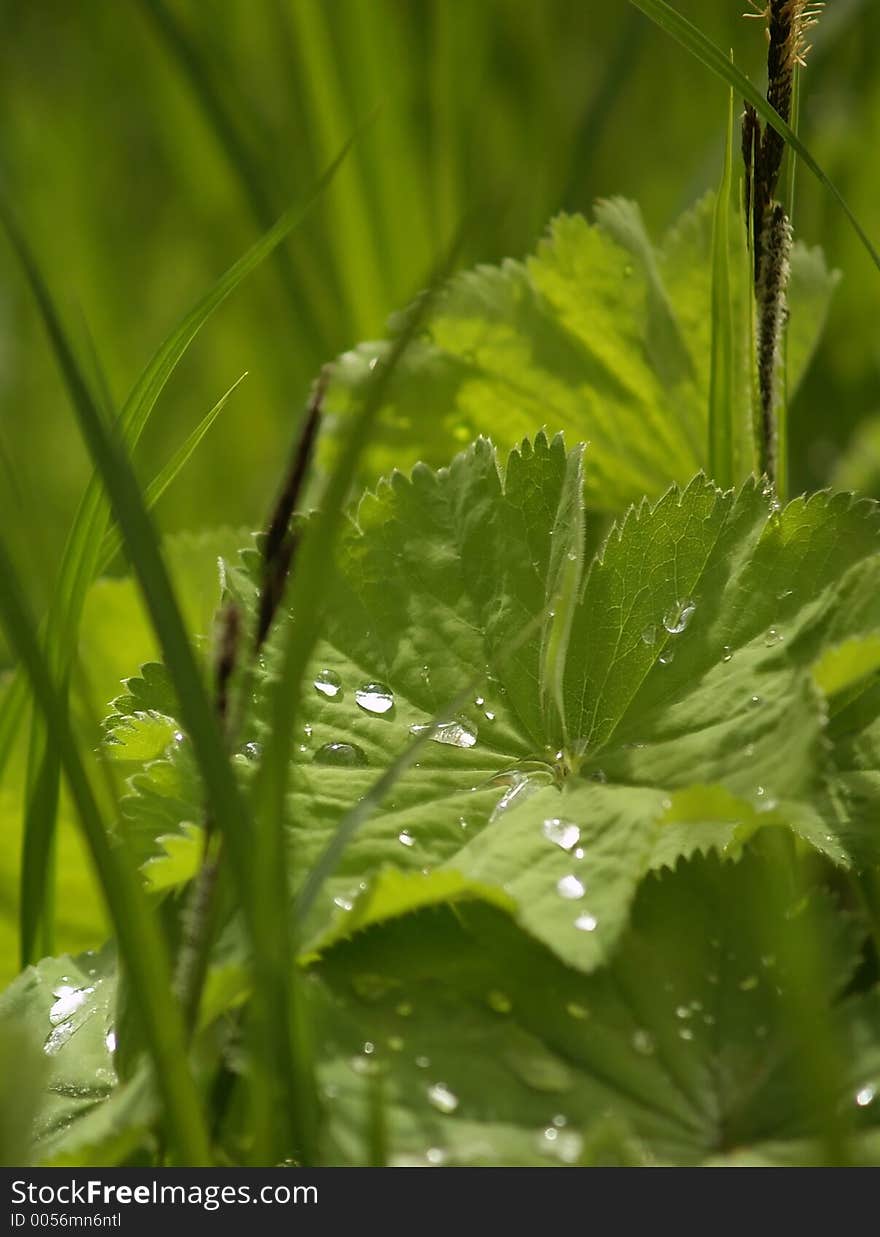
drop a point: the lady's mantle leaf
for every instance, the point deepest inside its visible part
(490, 1051)
(600, 335)
(686, 662)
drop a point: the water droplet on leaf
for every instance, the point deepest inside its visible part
(329, 684)
(375, 698)
(459, 733)
(570, 887)
(563, 833)
(677, 618)
(865, 1095)
(347, 755)
(442, 1098)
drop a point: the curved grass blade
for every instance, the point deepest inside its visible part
(268, 798)
(714, 59)
(163, 479)
(81, 555)
(36, 884)
(140, 943)
(113, 465)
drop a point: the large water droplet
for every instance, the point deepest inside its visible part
(68, 1013)
(677, 617)
(375, 698)
(666, 657)
(649, 634)
(253, 750)
(586, 923)
(865, 1095)
(458, 733)
(68, 1002)
(442, 1098)
(522, 786)
(563, 832)
(347, 755)
(406, 839)
(329, 684)
(570, 887)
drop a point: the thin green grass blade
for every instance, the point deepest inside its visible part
(224, 800)
(140, 943)
(36, 886)
(279, 999)
(304, 284)
(722, 396)
(349, 210)
(82, 553)
(714, 59)
(163, 479)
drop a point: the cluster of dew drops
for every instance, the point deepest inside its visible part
(378, 700)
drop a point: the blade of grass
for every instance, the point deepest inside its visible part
(364, 285)
(140, 943)
(722, 389)
(36, 884)
(81, 562)
(224, 801)
(81, 554)
(269, 793)
(301, 278)
(714, 59)
(167, 474)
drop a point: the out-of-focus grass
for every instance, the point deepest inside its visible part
(131, 195)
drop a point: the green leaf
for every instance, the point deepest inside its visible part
(601, 335)
(23, 1070)
(84, 1117)
(115, 637)
(66, 1006)
(492, 1052)
(690, 714)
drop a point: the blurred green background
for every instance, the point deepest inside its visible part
(146, 145)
